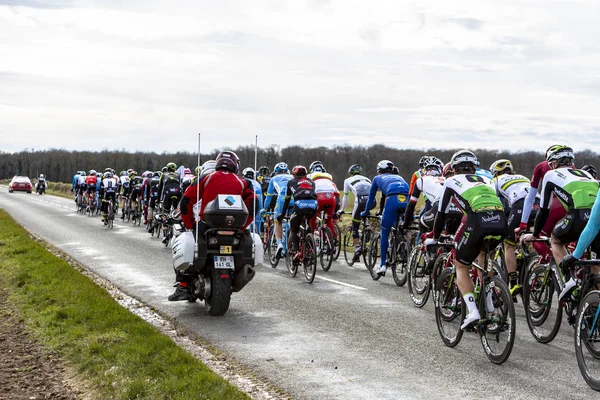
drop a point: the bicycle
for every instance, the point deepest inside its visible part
(272, 244)
(542, 288)
(397, 253)
(337, 241)
(587, 327)
(325, 243)
(490, 292)
(267, 228)
(91, 207)
(136, 214)
(425, 267)
(308, 253)
(365, 236)
(110, 216)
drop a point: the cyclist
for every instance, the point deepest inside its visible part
(123, 191)
(153, 197)
(170, 188)
(417, 174)
(108, 191)
(430, 184)
(250, 174)
(576, 190)
(41, 182)
(394, 193)
(557, 211)
(81, 188)
(91, 181)
(75, 181)
(146, 193)
(135, 185)
(186, 179)
(277, 185)
(513, 188)
(223, 181)
(328, 197)
(264, 178)
(360, 186)
(300, 192)
(476, 197)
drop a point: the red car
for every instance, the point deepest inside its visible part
(20, 183)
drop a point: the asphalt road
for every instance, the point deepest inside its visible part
(345, 336)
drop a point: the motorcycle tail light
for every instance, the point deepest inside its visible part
(226, 233)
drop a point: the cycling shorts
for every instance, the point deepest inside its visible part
(469, 241)
(569, 228)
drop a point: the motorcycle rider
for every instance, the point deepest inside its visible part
(41, 183)
(223, 181)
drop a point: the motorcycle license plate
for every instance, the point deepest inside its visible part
(224, 262)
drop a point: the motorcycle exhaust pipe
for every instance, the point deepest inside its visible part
(242, 277)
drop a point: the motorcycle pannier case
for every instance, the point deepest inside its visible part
(226, 211)
(183, 251)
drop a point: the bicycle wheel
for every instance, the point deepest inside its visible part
(400, 268)
(310, 258)
(365, 242)
(337, 242)
(587, 339)
(543, 312)
(327, 248)
(419, 281)
(127, 214)
(449, 308)
(499, 270)
(373, 255)
(272, 249)
(348, 247)
(138, 215)
(289, 259)
(498, 332)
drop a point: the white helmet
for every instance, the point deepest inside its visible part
(464, 156)
(385, 166)
(248, 173)
(208, 167)
(41, 176)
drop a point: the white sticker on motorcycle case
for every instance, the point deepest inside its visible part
(230, 202)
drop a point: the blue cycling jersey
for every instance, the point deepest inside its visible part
(484, 172)
(75, 180)
(277, 186)
(388, 184)
(258, 193)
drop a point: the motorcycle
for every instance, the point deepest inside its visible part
(40, 188)
(223, 260)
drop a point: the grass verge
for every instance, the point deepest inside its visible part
(117, 353)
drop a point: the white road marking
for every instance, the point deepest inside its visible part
(340, 283)
(70, 244)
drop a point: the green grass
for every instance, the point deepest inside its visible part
(117, 353)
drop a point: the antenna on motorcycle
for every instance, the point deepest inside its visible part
(198, 172)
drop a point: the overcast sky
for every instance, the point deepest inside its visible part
(149, 75)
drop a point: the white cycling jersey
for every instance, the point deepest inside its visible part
(431, 187)
(81, 179)
(323, 182)
(512, 187)
(359, 185)
(123, 179)
(109, 184)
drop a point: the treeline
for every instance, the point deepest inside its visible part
(60, 165)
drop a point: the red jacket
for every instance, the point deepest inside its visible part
(219, 182)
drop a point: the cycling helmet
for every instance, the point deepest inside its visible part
(107, 169)
(447, 170)
(501, 166)
(129, 170)
(147, 174)
(156, 173)
(198, 170)
(384, 166)
(590, 169)
(299, 171)
(92, 172)
(559, 152)
(395, 170)
(208, 167)
(229, 161)
(41, 176)
(316, 166)
(264, 171)
(123, 173)
(463, 157)
(355, 170)
(248, 172)
(429, 161)
(422, 161)
(163, 170)
(171, 167)
(108, 175)
(280, 168)
(133, 173)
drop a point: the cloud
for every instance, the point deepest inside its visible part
(146, 75)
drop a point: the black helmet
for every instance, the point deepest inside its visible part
(264, 171)
(590, 169)
(355, 170)
(229, 161)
